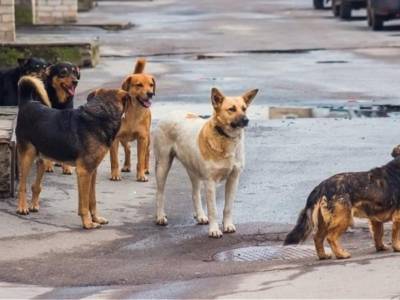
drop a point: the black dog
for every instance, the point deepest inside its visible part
(60, 83)
(80, 137)
(9, 78)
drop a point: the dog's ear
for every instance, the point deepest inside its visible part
(249, 96)
(126, 84)
(154, 86)
(216, 97)
(91, 95)
(396, 151)
(22, 61)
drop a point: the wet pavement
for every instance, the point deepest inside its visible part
(297, 57)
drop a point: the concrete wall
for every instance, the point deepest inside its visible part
(55, 11)
(7, 21)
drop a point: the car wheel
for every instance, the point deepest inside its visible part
(345, 10)
(318, 4)
(376, 22)
(335, 9)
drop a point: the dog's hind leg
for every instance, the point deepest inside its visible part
(115, 173)
(92, 201)
(37, 185)
(340, 220)
(230, 195)
(199, 213)
(84, 177)
(127, 152)
(213, 230)
(377, 232)
(163, 165)
(26, 156)
(396, 231)
(320, 234)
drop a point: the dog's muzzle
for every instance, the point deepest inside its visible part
(241, 123)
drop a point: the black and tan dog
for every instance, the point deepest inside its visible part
(61, 80)
(79, 137)
(332, 204)
(9, 78)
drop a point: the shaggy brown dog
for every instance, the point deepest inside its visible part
(79, 137)
(331, 205)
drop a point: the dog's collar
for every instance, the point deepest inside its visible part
(220, 131)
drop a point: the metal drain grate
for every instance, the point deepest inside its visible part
(266, 253)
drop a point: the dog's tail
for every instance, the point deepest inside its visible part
(305, 223)
(31, 88)
(140, 65)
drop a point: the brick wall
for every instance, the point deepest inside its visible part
(55, 11)
(7, 22)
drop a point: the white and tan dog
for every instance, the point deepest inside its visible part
(211, 150)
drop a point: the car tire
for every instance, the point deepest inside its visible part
(345, 10)
(318, 4)
(335, 9)
(376, 22)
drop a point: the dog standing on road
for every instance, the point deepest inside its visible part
(211, 150)
(330, 207)
(61, 80)
(79, 137)
(136, 124)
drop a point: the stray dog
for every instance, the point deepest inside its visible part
(211, 150)
(60, 83)
(136, 124)
(9, 78)
(331, 205)
(79, 137)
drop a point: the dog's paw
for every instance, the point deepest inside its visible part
(215, 233)
(396, 247)
(34, 208)
(343, 255)
(382, 247)
(23, 210)
(115, 177)
(142, 178)
(100, 220)
(229, 228)
(49, 169)
(126, 169)
(202, 220)
(91, 225)
(162, 220)
(325, 256)
(66, 170)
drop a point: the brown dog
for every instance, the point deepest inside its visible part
(330, 208)
(80, 137)
(136, 124)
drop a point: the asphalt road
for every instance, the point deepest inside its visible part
(295, 56)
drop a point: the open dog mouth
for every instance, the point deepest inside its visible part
(69, 89)
(144, 102)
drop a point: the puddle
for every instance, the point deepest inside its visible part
(266, 253)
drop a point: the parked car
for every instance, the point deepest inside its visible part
(343, 8)
(320, 4)
(380, 11)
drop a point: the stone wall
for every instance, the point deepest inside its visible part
(55, 11)
(24, 12)
(7, 21)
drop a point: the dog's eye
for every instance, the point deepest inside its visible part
(232, 109)
(63, 73)
(244, 108)
(139, 84)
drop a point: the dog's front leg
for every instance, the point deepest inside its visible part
(115, 173)
(230, 195)
(92, 202)
(396, 231)
(84, 188)
(142, 143)
(213, 229)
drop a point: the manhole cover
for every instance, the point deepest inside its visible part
(266, 253)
